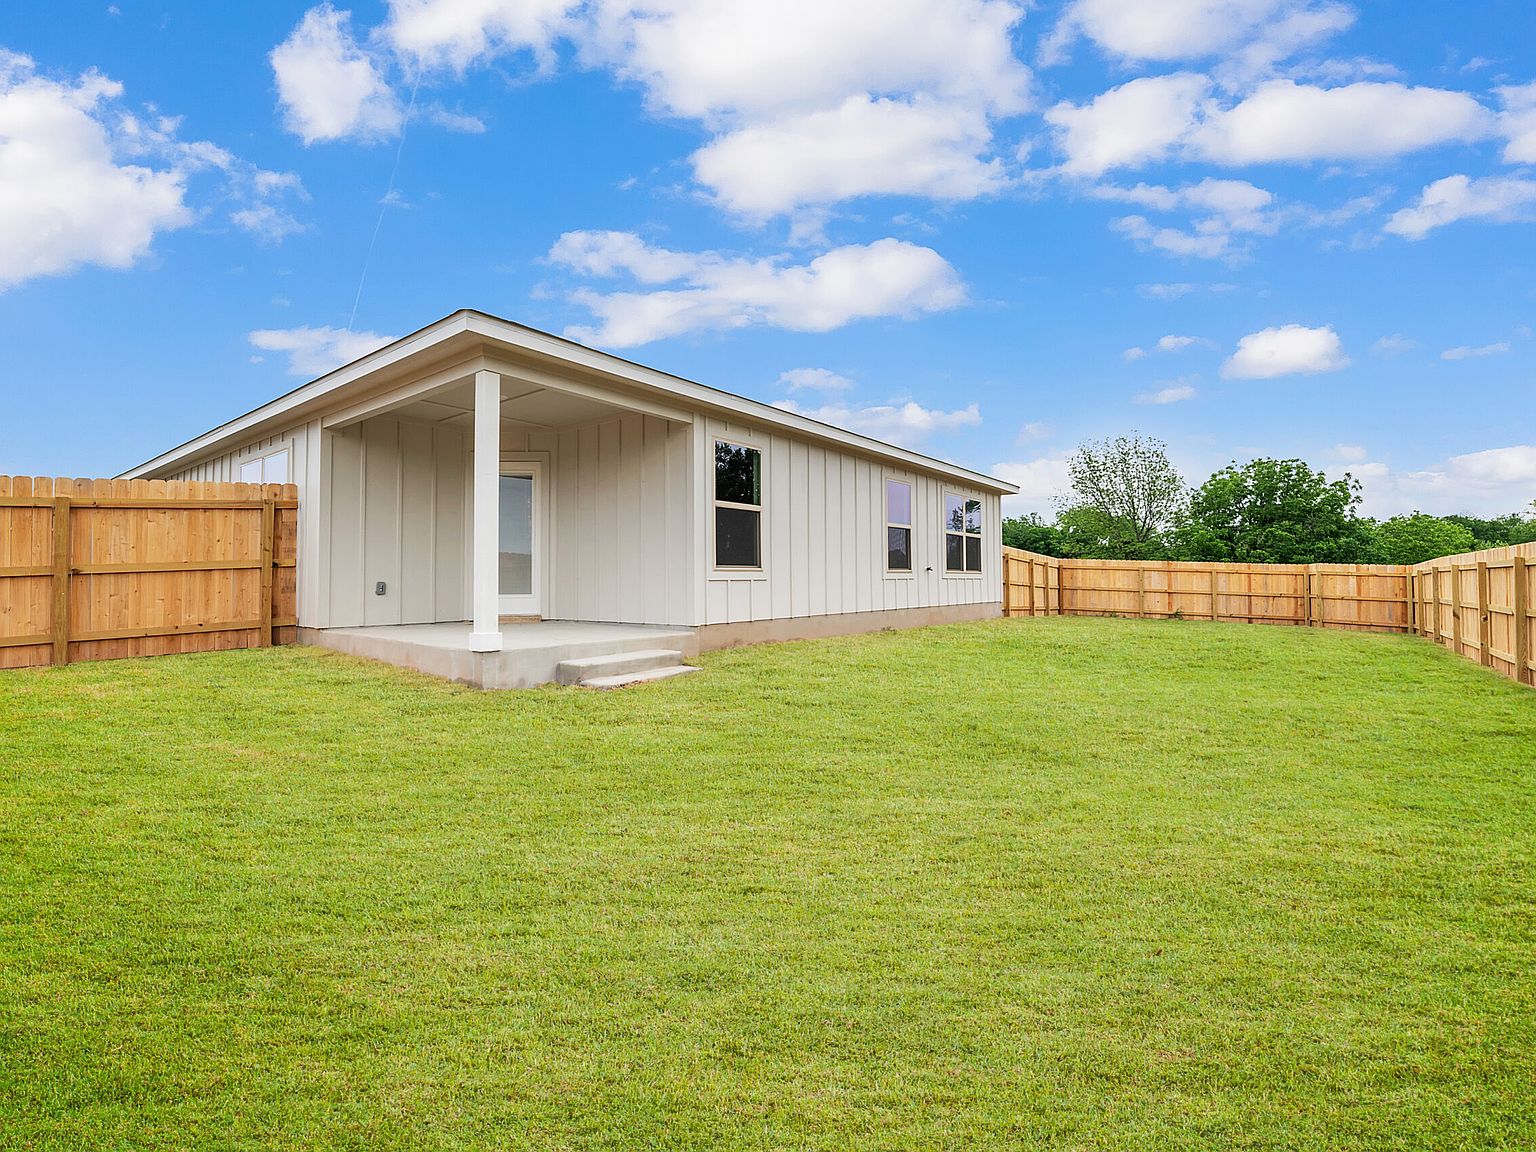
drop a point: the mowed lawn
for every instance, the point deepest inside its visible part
(1062, 883)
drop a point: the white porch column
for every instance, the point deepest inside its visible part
(486, 636)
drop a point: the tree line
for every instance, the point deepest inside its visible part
(1128, 502)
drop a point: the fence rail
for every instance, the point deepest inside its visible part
(1360, 596)
(102, 569)
(1481, 605)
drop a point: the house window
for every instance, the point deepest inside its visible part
(269, 469)
(898, 526)
(738, 506)
(962, 534)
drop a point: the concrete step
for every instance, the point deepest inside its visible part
(624, 679)
(615, 664)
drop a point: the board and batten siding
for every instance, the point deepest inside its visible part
(823, 535)
(303, 444)
(620, 543)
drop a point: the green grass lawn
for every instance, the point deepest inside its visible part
(1060, 883)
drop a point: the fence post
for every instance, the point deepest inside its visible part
(1141, 593)
(1523, 671)
(1484, 617)
(61, 580)
(1455, 609)
(268, 547)
(1410, 601)
(1214, 617)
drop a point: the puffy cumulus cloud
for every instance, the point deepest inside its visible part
(814, 380)
(857, 281)
(715, 59)
(1289, 122)
(862, 147)
(809, 102)
(1350, 453)
(908, 423)
(1140, 121)
(1255, 33)
(457, 33)
(1495, 199)
(1467, 352)
(315, 351)
(1280, 121)
(1518, 123)
(1042, 482)
(1292, 350)
(86, 180)
(328, 87)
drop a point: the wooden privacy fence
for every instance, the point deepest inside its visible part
(1361, 596)
(101, 569)
(1481, 605)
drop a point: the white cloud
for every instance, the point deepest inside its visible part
(1041, 481)
(711, 60)
(315, 351)
(1290, 122)
(908, 423)
(1350, 453)
(862, 147)
(1032, 431)
(1280, 121)
(329, 88)
(1518, 123)
(457, 33)
(1169, 394)
(1261, 30)
(1499, 199)
(814, 380)
(1491, 482)
(1394, 345)
(86, 180)
(65, 200)
(886, 278)
(1209, 245)
(808, 102)
(1288, 351)
(1133, 354)
(1139, 121)
(1176, 343)
(1467, 353)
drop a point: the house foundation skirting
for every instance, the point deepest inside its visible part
(713, 636)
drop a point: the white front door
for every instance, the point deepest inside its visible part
(520, 546)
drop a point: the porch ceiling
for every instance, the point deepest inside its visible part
(520, 404)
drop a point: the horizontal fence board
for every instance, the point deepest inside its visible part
(104, 569)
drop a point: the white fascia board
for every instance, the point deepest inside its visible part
(713, 400)
(353, 382)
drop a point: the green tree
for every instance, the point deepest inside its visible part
(1499, 531)
(1420, 537)
(1032, 534)
(1127, 498)
(1276, 512)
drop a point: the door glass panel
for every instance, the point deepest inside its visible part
(515, 575)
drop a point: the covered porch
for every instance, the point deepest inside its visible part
(491, 492)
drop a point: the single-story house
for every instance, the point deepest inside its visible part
(478, 475)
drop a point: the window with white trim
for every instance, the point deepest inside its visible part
(738, 506)
(962, 534)
(898, 526)
(269, 469)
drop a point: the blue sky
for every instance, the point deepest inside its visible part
(982, 229)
